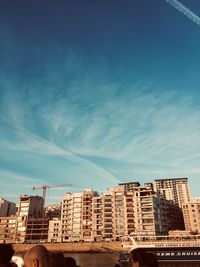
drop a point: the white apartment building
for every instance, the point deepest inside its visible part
(54, 232)
(71, 217)
(191, 214)
(77, 219)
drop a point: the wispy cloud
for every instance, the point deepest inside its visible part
(133, 127)
(184, 10)
(53, 128)
(12, 177)
(45, 158)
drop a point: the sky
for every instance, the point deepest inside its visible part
(96, 93)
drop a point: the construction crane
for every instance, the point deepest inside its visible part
(45, 187)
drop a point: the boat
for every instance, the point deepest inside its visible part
(167, 248)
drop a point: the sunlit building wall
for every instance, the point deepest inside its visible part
(87, 232)
(7, 229)
(77, 220)
(141, 209)
(54, 232)
(71, 217)
(30, 207)
(97, 218)
(191, 214)
(107, 216)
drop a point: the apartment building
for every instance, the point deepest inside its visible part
(130, 208)
(71, 215)
(97, 218)
(129, 212)
(7, 208)
(7, 229)
(191, 214)
(77, 216)
(171, 216)
(87, 233)
(175, 189)
(118, 213)
(141, 209)
(146, 211)
(30, 207)
(54, 232)
(107, 216)
(66, 217)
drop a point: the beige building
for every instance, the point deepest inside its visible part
(71, 215)
(130, 208)
(113, 214)
(118, 213)
(175, 189)
(97, 218)
(7, 229)
(191, 214)
(87, 233)
(146, 213)
(141, 209)
(66, 217)
(7, 208)
(107, 216)
(30, 207)
(54, 232)
(76, 216)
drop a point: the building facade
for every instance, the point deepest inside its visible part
(97, 218)
(191, 214)
(141, 209)
(175, 189)
(54, 231)
(77, 216)
(30, 207)
(7, 229)
(37, 230)
(129, 208)
(7, 208)
(107, 216)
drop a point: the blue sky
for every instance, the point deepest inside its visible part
(94, 93)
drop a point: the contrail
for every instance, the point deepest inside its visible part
(186, 11)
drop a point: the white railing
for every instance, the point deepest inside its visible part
(161, 241)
